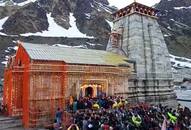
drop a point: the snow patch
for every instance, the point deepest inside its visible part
(183, 7)
(167, 35)
(7, 58)
(10, 3)
(110, 23)
(174, 70)
(169, 28)
(2, 21)
(172, 19)
(6, 51)
(54, 30)
(179, 24)
(3, 34)
(4, 62)
(26, 2)
(91, 44)
(88, 15)
(12, 48)
(60, 45)
(180, 62)
(103, 7)
(91, 5)
(81, 46)
(67, 46)
(15, 41)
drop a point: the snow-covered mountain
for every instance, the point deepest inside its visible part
(86, 24)
(91, 18)
(40, 17)
(15, 2)
(55, 30)
(175, 21)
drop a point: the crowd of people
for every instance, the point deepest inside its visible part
(114, 113)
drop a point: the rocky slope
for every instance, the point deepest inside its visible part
(28, 19)
(38, 21)
(90, 15)
(175, 21)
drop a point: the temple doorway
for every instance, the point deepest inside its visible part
(89, 92)
(93, 88)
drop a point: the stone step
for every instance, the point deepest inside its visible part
(11, 126)
(2, 118)
(9, 123)
(16, 128)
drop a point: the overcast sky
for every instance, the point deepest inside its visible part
(122, 3)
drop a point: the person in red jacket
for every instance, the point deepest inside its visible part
(105, 126)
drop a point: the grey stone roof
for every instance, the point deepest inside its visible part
(73, 55)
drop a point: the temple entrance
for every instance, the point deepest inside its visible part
(89, 92)
(93, 88)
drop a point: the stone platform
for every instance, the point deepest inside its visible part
(9, 123)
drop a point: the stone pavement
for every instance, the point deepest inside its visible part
(13, 123)
(10, 123)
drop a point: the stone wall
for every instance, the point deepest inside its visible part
(115, 80)
(143, 42)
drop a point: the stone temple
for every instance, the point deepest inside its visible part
(137, 35)
(39, 75)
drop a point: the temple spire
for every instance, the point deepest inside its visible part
(137, 8)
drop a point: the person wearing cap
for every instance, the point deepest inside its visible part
(173, 118)
(136, 120)
(95, 106)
